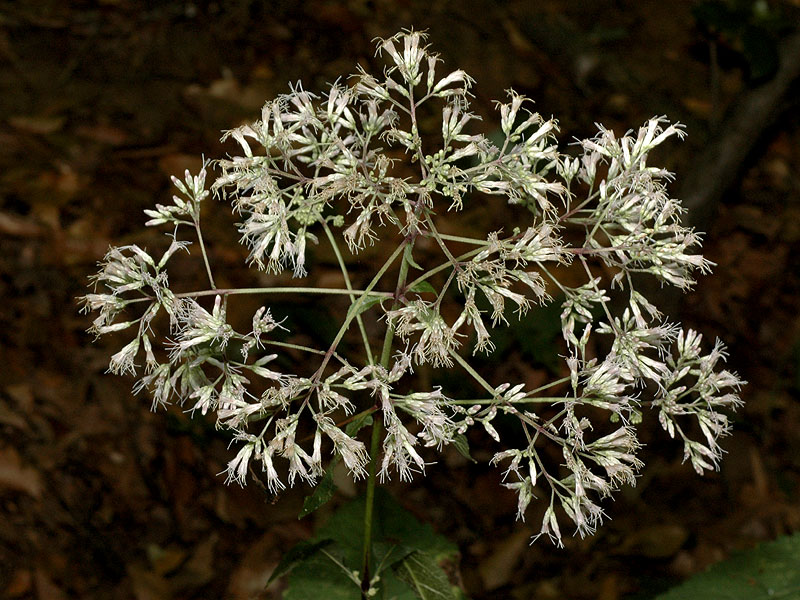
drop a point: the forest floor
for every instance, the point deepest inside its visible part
(102, 101)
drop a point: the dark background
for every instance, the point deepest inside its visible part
(101, 101)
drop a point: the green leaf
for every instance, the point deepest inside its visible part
(324, 492)
(320, 577)
(461, 444)
(395, 530)
(422, 573)
(354, 426)
(409, 258)
(299, 553)
(768, 571)
(359, 307)
(423, 287)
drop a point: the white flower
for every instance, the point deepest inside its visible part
(437, 340)
(122, 361)
(353, 453)
(237, 467)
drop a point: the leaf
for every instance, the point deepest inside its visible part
(393, 526)
(17, 477)
(409, 258)
(359, 307)
(422, 573)
(321, 578)
(461, 444)
(358, 424)
(324, 492)
(770, 570)
(423, 287)
(298, 554)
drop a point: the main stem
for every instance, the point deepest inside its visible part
(375, 444)
(386, 355)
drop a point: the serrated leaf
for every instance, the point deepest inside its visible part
(423, 574)
(461, 444)
(409, 258)
(359, 307)
(324, 492)
(299, 553)
(768, 571)
(423, 287)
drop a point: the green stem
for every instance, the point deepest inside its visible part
(349, 286)
(463, 240)
(283, 290)
(270, 290)
(354, 309)
(475, 375)
(535, 400)
(441, 243)
(203, 251)
(374, 448)
(443, 266)
(377, 430)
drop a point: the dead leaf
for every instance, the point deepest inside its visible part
(103, 134)
(518, 41)
(698, 106)
(501, 563)
(199, 569)
(165, 560)
(21, 584)
(65, 181)
(46, 589)
(11, 418)
(148, 585)
(38, 125)
(252, 575)
(16, 477)
(17, 226)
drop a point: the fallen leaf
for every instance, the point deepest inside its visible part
(103, 134)
(21, 584)
(251, 576)
(501, 563)
(11, 418)
(16, 477)
(37, 125)
(148, 585)
(46, 589)
(200, 568)
(19, 226)
(698, 106)
(517, 39)
(165, 560)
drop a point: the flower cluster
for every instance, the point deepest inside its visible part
(355, 166)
